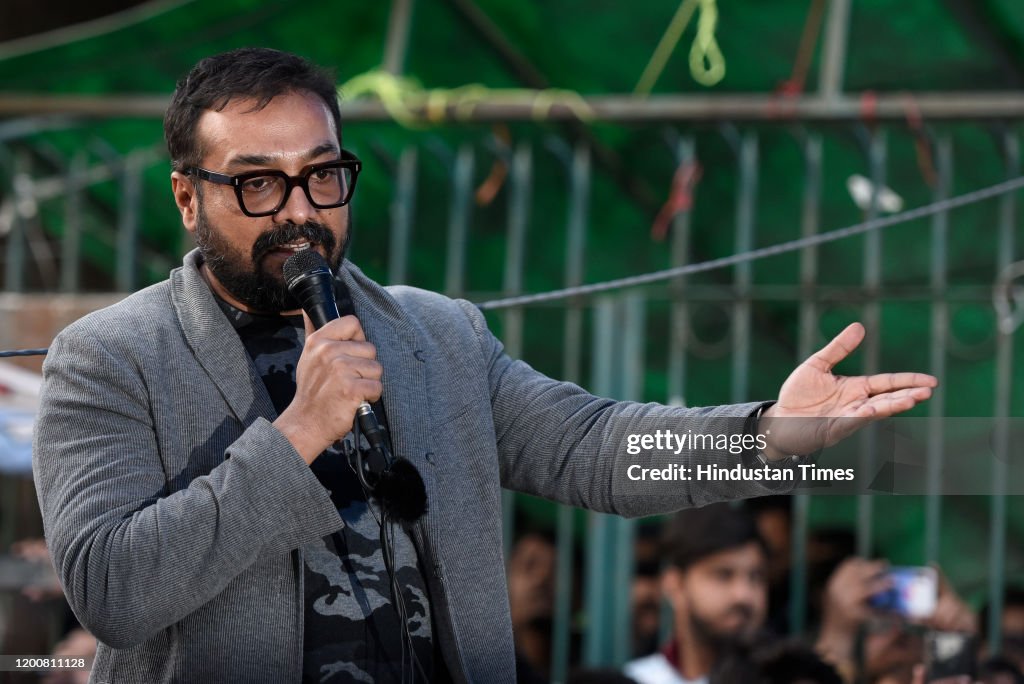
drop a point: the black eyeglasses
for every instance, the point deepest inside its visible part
(263, 193)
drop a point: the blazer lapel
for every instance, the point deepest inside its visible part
(217, 346)
(405, 376)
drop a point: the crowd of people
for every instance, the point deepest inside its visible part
(724, 571)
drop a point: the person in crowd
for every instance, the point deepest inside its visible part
(531, 598)
(716, 584)
(1000, 670)
(76, 644)
(779, 661)
(773, 515)
(1012, 626)
(860, 641)
(645, 593)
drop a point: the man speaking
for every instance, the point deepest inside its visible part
(212, 512)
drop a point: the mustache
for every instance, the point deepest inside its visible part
(742, 610)
(310, 231)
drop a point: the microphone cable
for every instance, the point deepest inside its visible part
(387, 547)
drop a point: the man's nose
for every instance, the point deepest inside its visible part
(296, 209)
(744, 591)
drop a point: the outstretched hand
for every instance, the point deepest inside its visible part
(838, 405)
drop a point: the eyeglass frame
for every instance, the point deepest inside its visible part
(348, 160)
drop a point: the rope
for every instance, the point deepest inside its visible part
(773, 250)
(973, 197)
(403, 96)
(707, 66)
(794, 85)
(922, 148)
(680, 197)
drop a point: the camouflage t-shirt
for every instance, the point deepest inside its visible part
(352, 632)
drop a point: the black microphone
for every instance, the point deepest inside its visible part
(310, 280)
(398, 484)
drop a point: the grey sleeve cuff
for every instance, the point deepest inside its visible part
(297, 509)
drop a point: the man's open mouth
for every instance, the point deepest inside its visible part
(295, 246)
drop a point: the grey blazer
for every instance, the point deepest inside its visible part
(175, 511)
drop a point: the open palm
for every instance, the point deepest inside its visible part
(834, 406)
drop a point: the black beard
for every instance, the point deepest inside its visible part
(245, 279)
(718, 641)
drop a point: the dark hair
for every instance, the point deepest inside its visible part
(1013, 595)
(774, 502)
(258, 73)
(1000, 665)
(791, 661)
(598, 676)
(697, 533)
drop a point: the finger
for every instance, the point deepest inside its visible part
(841, 346)
(863, 570)
(872, 567)
(875, 586)
(360, 366)
(888, 382)
(306, 321)
(368, 390)
(944, 586)
(342, 329)
(340, 352)
(891, 403)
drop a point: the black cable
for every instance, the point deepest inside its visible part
(23, 352)
(388, 555)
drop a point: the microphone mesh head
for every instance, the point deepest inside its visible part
(303, 263)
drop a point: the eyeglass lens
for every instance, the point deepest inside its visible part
(328, 187)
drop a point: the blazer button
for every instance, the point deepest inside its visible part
(431, 459)
(420, 356)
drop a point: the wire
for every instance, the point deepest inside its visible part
(23, 352)
(75, 33)
(387, 549)
(773, 250)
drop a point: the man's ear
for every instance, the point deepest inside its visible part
(184, 190)
(672, 587)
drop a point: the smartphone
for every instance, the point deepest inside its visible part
(913, 594)
(950, 654)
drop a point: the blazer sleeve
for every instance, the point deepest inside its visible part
(131, 557)
(557, 441)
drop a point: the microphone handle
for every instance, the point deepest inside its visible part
(370, 428)
(316, 293)
(327, 309)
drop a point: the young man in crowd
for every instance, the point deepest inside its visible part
(716, 582)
